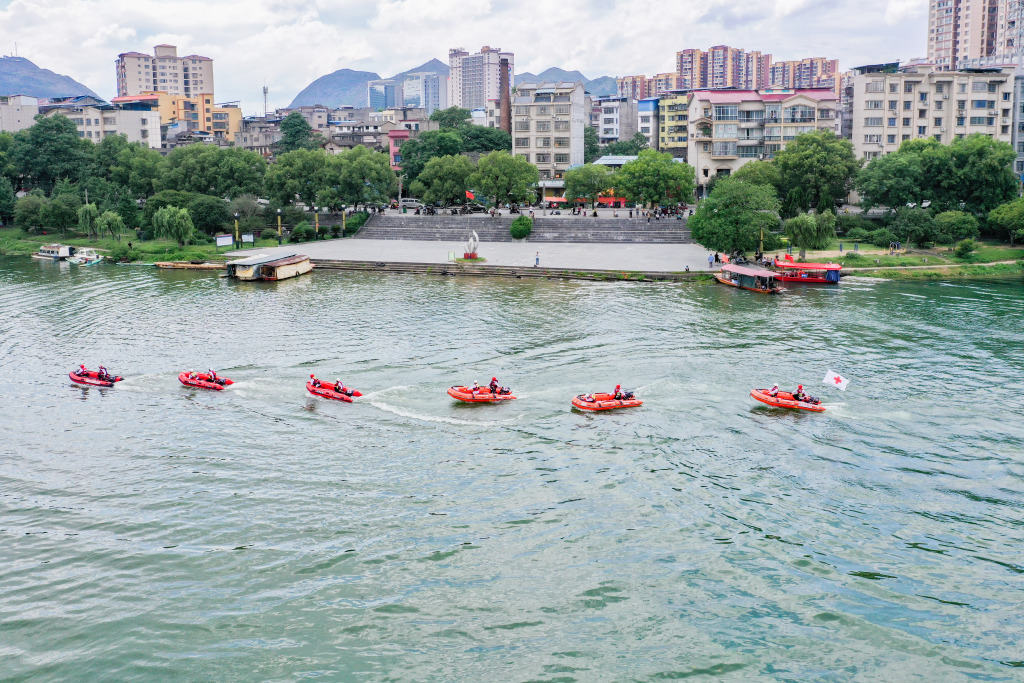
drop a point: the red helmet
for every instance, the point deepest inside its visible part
(311, 375)
(494, 379)
(799, 387)
(618, 386)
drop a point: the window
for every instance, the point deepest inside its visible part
(544, 158)
(938, 104)
(724, 149)
(922, 130)
(1006, 97)
(961, 104)
(873, 121)
(891, 139)
(522, 142)
(609, 131)
(543, 126)
(522, 110)
(940, 88)
(561, 158)
(645, 119)
(874, 86)
(561, 108)
(906, 121)
(545, 174)
(608, 110)
(907, 106)
(982, 121)
(961, 87)
(872, 139)
(891, 121)
(938, 121)
(960, 120)
(904, 137)
(991, 87)
(726, 130)
(609, 121)
(893, 104)
(922, 113)
(983, 104)
(908, 87)
(561, 126)
(543, 142)
(873, 104)
(560, 142)
(646, 130)
(894, 87)
(726, 112)
(979, 86)
(543, 111)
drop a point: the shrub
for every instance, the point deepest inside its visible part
(335, 230)
(848, 222)
(914, 226)
(269, 234)
(521, 227)
(955, 226)
(882, 237)
(858, 233)
(354, 222)
(852, 256)
(964, 247)
(772, 241)
(302, 232)
(122, 253)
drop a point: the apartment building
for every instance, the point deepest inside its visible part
(921, 100)
(648, 117)
(548, 122)
(163, 71)
(674, 123)
(96, 120)
(17, 112)
(811, 72)
(729, 128)
(959, 30)
(259, 134)
(633, 87)
(474, 80)
(197, 114)
(616, 118)
(383, 94)
(692, 69)
(662, 83)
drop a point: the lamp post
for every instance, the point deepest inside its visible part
(316, 219)
(343, 212)
(238, 243)
(279, 227)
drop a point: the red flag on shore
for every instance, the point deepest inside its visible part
(470, 195)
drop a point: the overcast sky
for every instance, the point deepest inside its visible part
(288, 43)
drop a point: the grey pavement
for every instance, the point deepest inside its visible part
(596, 256)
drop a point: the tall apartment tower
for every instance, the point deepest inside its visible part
(164, 71)
(692, 67)
(959, 30)
(474, 80)
(722, 67)
(425, 90)
(634, 87)
(812, 72)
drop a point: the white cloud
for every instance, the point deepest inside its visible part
(289, 43)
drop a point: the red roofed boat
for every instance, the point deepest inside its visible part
(808, 273)
(755, 279)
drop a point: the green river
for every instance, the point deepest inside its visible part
(156, 532)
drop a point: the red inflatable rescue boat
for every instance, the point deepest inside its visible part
(330, 390)
(92, 378)
(482, 395)
(203, 381)
(604, 402)
(784, 399)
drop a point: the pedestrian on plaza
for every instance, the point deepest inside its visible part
(531, 214)
(711, 260)
(536, 260)
(648, 216)
(615, 214)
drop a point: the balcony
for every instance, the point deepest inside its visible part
(728, 155)
(798, 119)
(751, 123)
(749, 141)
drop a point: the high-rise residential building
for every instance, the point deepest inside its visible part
(425, 90)
(616, 118)
(647, 120)
(729, 128)
(921, 100)
(163, 71)
(633, 87)
(674, 116)
(959, 30)
(722, 67)
(662, 83)
(548, 122)
(383, 94)
(1010, 32)
(474, 80)
(812, 72)
(692, 68)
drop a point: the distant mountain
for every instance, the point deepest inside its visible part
(347, 87)
(603, 85)
(19, 76)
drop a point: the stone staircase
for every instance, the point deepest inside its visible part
(545, 229)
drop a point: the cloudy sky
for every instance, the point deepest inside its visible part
(288, 43)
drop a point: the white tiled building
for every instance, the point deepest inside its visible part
(17, 112)
(547, 128)
(95, 122)
(617, 118)
(921, 101)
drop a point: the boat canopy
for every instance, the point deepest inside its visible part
(807, 266)
(260, 259)
(752, 272)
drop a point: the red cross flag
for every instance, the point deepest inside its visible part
(836, 380)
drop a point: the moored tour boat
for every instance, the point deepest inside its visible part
(754, 279)
(604, 402)
(332, 391)
(274, 267)
(86, 257)
(808, 273)
(54, 252)
(784, 399)
(202, 380)
(481, 395)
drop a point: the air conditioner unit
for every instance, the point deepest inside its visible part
(945, 97)
(992, 112)
(943, 130)
(959, 112)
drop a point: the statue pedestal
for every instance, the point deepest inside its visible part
(469, 255)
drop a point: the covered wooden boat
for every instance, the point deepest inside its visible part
(481, 395)
(274, 267)
(604, 402)
(54, 252)
(754, 279)
(784, 399)
(808, 273)
(201, 380)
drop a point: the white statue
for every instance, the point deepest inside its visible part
(472, 243)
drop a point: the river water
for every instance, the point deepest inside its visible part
(152, 531)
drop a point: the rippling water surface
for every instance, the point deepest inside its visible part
(152, 531)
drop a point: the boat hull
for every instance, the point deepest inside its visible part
(805, 280)
(203, 382)
(727, 281)
(326, 390)
(466, 395)
(784, 400)
(604, 402)
(92, 379)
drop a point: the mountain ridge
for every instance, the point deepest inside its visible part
(602, 85)
(20, 76)
(348, 87)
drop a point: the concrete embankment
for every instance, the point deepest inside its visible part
(483, 270)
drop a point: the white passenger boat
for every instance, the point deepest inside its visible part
(54, 252)
(85, 257)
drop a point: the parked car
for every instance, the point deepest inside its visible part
(410, 202)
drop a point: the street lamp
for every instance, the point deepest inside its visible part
(238, 243)
(343, 211)
(316, 219)
(279, 227)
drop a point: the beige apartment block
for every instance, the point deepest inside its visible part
(922, 101)
(163, 71)
(547, 129)
(959, 30)
(730, 128)
(474, 80)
